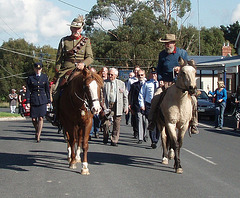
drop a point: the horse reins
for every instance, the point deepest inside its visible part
(86, 99)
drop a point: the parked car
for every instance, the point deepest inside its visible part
(205, 105)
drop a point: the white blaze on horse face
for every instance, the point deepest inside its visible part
(93, 87)
(191, 77)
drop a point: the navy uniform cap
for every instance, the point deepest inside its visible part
(38, 65)
(153, 70)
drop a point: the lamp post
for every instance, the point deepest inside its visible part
(199, 29)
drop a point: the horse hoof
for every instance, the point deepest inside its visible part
(171, 154)
(78, 160)
(69, 159)
(72, 166)
(85, 171)
(179, 171)
(165, 161)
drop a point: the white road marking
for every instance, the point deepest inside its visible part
(203, 158)
(209, 126)
(205, 125)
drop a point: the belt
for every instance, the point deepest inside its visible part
(74, 60)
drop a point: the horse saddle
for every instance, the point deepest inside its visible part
(68, 76)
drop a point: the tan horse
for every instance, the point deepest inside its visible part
(78, 102)
(176, 112)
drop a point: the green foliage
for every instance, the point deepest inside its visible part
(134, 40)
(212, 41)
(16, 63)
(231, 32)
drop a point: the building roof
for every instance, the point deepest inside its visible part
(200, 59)
(219, 64)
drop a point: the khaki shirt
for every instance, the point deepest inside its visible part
(65, 61)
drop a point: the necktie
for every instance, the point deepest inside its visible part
(155, 86)
(111, 96)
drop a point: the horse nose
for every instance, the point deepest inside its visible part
(192, 89)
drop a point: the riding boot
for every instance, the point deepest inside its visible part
(55, 121)
(155, 104)
(56, 96)
(194, 121)
(152, 112)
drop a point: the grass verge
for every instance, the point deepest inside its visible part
(5, 114)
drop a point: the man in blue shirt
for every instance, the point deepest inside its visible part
(167, 69)
(144, 98)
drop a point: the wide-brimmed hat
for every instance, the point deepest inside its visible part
(168, 38)
(38, 65)
(77, 22)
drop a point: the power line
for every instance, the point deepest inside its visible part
(12, 75)
(81, 8)
(10, 28)
(30, 56)
(27, 51)
(7, 32)
(73, 6)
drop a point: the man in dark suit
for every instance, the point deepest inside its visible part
(140, 124)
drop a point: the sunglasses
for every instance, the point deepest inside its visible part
(140, 74)
(110, 74)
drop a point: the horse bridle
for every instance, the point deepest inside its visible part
(183, 89)
(85, 100)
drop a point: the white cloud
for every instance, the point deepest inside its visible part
(31, 37)
(34, 19)
(236, 14)
(106, 24)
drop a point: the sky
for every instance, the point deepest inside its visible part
(44, 22)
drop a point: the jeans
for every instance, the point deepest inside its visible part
(95, 126)
(219, 114)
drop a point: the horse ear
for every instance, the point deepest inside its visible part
(192, 62)
(181, 62)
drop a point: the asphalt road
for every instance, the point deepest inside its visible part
(28, 169)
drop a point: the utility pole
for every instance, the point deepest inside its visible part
(199, 30)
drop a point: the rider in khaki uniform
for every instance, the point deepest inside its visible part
(74, 52)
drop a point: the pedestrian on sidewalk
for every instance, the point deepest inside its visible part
(13, 100)
(220, 95)
(237, 115)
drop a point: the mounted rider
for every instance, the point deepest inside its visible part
(74, 54)
(168, 66)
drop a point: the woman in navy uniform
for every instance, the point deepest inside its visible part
(38, 97)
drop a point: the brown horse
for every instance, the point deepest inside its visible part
(175, 113)
(78, 102)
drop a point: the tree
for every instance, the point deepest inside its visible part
(114, 11)
(166, 8)
(16, 63)
(231, 32)
(211, 41)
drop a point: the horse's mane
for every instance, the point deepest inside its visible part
(98, 78)
(84, 74)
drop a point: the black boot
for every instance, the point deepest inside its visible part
(151, 126)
